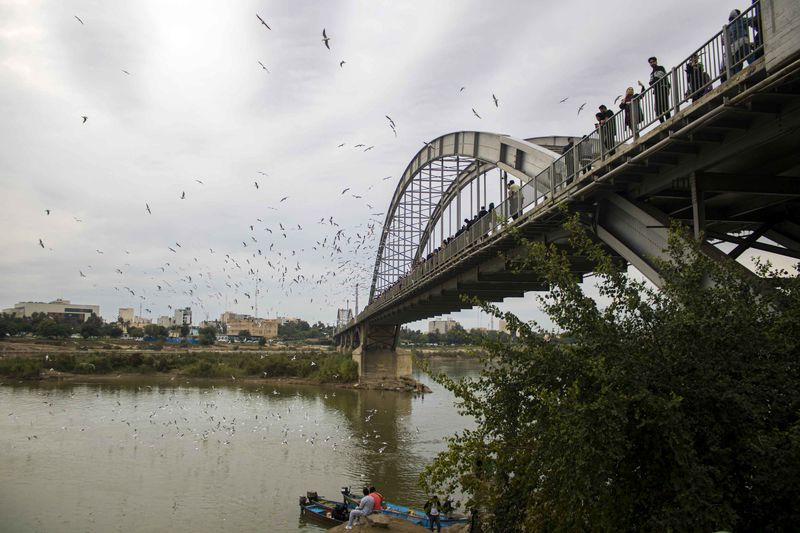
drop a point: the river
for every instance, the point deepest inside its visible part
(138, 456)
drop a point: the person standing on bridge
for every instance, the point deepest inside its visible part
(660, 83)
(609, 128)
(628, 101)
(697, 80)
(570, 159)
(513, 199)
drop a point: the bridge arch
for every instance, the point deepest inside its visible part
(433, 180)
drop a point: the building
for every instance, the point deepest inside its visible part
(441, 326)
(166, 321)
(285, 320)
(183, 317)
(258, 327)
(140, 322)
(58, 309)
(125, 315)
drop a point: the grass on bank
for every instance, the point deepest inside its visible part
(325, 367)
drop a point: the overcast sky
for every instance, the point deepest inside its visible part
(196, 105)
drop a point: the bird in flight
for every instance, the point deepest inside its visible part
(581, 108)
(284, 198)
(368, 148)
(81, 273)
(47, 211)
(325, 39)
(563, 100)
(475, 113)
(125, 71)
(345, 190)
(262, 22)
(390, 120)
(461, 90)
(41, 243)
(387, 178)
(495, 100)
(341, 63)
(183, 195)
(341, 145)
(172, 249)
(79, 19)
(85, 118)
(256, 184)
(199, 181)
(147, 206)
(263, 67)
(617, 98)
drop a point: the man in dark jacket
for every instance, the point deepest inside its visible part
(660, 83)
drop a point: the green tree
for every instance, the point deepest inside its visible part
(135, 332)
(154, 330)
(184, 330)
(92, 327)
(672, 410)
(208, 336)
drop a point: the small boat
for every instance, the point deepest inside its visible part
(322, 510)
(407, 513)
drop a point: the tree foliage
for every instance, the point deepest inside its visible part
(673, 409)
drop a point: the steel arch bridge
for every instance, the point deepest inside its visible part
(448, 178)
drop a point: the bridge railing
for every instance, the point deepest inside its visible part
(716, 60)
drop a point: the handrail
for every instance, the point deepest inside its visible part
(720, 57)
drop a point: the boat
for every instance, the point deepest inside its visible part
(416, 516)
(322, 510)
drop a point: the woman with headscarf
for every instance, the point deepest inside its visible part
(626, 105)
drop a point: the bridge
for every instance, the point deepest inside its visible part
(717, 149)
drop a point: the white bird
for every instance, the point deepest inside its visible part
(325, 39)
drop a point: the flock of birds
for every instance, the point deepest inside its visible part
(269, 264)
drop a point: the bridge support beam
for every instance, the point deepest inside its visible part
(377, 355)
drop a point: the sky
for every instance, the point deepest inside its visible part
(189, 104)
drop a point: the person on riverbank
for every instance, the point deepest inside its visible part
(365, 507)
(377, 497)
(432, 509)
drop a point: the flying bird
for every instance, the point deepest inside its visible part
(82, 274)
(284, 198)
(495, 100)
(125, 71)
(387, 178)
(47, 211)
(461, 89)
(390, 120)
(262, 22)
(147, 206)
(262, 173)
(172, 249)
(183, 195)
(199, 181)
(345, 190)
(563, 100)
(368, 148)
(325, 39)
(617, 99)
(85, 118)
(581, 108)
(475, 113)
(341, 63)
(79, 19)
(263, 67)
(41, 243)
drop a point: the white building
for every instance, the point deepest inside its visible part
(60, 309)
(165, 321)
(441, 326)
(183, 317)
(125, 315)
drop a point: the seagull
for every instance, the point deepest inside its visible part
(495, 100)
(172, 250)
(341, 145)
(183, 195)
(79, 19)
(256, 184)
(563, 100)
(41, 243)
(199, 181)
(47, 211)
(387, 178)
(461, 89)
(341, 63)
(617, 99)
(325, 39)
(345, 190)
(125, 71)
(263, 173)
(475, 113)
(368, 148)
(390, 120)
(262, 22)
(284, 198)
(581, 108)
(85, 118)
(147, 206)
(82, 274)
(262, 66)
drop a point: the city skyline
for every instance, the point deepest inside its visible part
(198, 170)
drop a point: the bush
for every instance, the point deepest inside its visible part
(20, 368)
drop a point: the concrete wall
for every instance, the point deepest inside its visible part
(780, 21)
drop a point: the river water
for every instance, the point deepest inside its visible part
(138, 456)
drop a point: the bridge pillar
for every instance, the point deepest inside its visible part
(377, 355)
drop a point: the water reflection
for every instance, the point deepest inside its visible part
(188, 457)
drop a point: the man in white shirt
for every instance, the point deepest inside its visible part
(364, 508)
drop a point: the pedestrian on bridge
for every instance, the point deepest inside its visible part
(626, 105)
(660, 83)
(514, 198)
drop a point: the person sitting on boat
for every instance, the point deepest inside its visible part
(377, 497)
(432, 507)
(364, 508)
